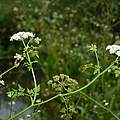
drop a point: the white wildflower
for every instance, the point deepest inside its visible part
(2, 82)
(28, 115)
(92, 47)
(9, 95)
(18, 57)
(37, 40)
(104, 101)
(24, 35)
(118, 53)
(106, 104)
(13, 102)
(109, 70)
(114, 49)
(39, 111)
(95, 106)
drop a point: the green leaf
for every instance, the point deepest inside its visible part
(63, 110)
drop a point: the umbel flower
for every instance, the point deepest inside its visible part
(114, 49)
(18, 57)
(24, 35)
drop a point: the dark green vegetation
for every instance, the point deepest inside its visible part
(66, 28)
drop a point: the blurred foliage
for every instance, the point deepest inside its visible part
(66, 28)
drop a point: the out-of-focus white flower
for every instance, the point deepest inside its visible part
(114, 49)
(95, 106)
(2, 82)
(10, 95)
(39, 111)
(28, 115)
(106, 104)
(18, 57)
(24, 35)
(104, 101)
(13, 102)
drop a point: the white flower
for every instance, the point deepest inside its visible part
(28, 115)
(24, 35)
(39, 111)
(2, 82)
(104, 101)
(114, 49)
(118, 53)
(106, 104)
(18, 57)
(37, 40)
(13, 102)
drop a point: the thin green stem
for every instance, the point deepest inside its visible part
(19, 113)
(7, 71)
(98, 69)
(84, 87)
(43, 102)
(76, 91)
(98, 63)
(67, 94)
(100, 105)
(35, 84)
(48, 100)
(32, 70)
(112, 102)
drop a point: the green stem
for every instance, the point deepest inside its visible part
(112, 102)
(66, 94)
(16, 115)
(7, 71)
(84, 87)
(48, 100)
(32, 70)
(35, 84)
(98, 63)
(98, 69)
(76, 91)
(100, 105)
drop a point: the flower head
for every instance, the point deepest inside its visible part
(24, 35)
(18, 57)
(93, 47)
(114, 49)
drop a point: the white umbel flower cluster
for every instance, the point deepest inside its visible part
(114, 49)
(24, 35)
(18, 57)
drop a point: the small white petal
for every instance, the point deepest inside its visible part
(118, 53)
(108, 47)
(28, 115)
(18, 56)
(2, 82)
(114, 49)
(13, 102)
(106, 103)
(39, 111)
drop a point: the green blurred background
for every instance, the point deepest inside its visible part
(66, 28)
